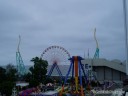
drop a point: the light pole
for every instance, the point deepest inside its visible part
(126, 37)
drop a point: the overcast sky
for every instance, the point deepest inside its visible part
(66, 23)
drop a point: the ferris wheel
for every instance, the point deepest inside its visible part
(56, 55)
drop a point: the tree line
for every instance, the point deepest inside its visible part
(35, 76)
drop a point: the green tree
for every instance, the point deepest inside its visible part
(6, 87)
(39, 70)
(2, 74)
(7, 79)
(11, 73)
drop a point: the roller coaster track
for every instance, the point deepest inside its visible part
(20, 64)
(96, 55)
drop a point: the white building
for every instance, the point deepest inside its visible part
(107, 70)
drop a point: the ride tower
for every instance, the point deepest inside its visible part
(77, 68)
(20, 64)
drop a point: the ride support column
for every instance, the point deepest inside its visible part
(76, 72)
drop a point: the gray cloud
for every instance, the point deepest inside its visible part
(68, 23)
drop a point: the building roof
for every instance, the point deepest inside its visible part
(103, 62)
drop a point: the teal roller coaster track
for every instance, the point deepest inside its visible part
(96, 55)
(20, 64)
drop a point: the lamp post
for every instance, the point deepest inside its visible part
(126, 37)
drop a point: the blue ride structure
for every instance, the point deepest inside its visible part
(77, 77)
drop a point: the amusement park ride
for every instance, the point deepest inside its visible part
(20, 64)
(77, 68)
(56, 55)
(96, 55)
(88, 67)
